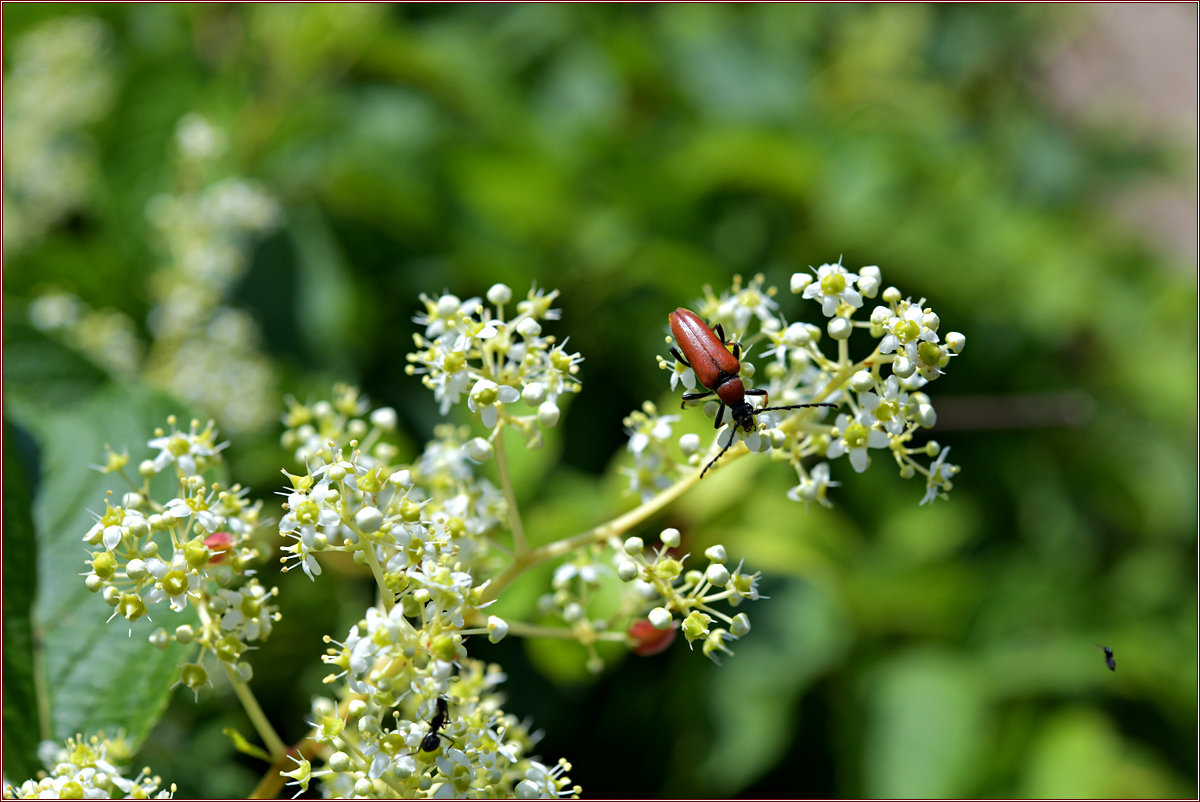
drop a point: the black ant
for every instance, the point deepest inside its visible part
(432, 740)
(1109, 660)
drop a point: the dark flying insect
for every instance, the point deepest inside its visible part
(1108, 657)
(717, 369)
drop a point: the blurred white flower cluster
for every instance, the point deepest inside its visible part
(883, 410)
(191, 549)
(61, 80)
(87, 770)
(201, 349)
(204, 350)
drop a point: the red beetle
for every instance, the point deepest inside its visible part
(718, 369)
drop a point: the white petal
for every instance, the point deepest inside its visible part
(859, 459)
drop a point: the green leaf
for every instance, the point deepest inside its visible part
(927, 729)
(98, 675)
(22, 724)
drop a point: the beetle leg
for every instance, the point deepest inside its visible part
(720, 416)
(737, 351)
(679, 356)
(696, 396)
(763, 393)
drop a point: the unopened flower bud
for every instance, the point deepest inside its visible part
(800, 281)
(670, 538)
(534, 394)
(497, 627)
(634, 545)
(158, 638)
(868, 286)
(548, 414)
(862, 381)
(135, 569)
(717, 574)
(627, 570)
(840, 328)
(368, 519)
(340, 762)
(715, 553)
(689, 444)
(480, 449)
(926, 415)
(903, 367)
(660, 618)
(185, 634)
(447, 305)
(740, 625)
(402, 479)
(892, 295)
(956, 341)
(529, 328)
(384, 418)
(499, 294)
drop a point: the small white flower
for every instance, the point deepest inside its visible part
(939, 477)
(813, 488)
(855, 439)
(485, 395)
(834, 285)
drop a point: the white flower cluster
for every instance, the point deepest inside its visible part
(426, 531)
(469, 348)
(659, 579)
(207, 529)
(420, 728)
(410, 522)
(654, 468)
(107, 337)
(82, 770)
(61, 80)
(883, 410)
(205, 351)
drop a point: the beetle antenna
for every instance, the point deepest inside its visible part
(732, 434)
(794, 406)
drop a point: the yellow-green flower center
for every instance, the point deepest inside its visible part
(833, 284)
(856, 435)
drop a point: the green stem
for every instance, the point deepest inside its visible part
(527, 559)
(520, 545)
(265, 731)
(535, 631)
(389, 599)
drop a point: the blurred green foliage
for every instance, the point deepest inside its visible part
(628, 155)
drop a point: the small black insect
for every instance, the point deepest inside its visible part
(431, 741)
(1108, 657)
